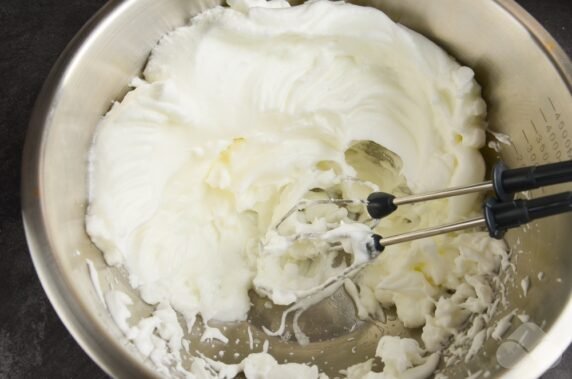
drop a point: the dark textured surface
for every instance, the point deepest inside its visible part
(33, 342)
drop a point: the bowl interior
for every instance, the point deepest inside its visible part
(526, 82)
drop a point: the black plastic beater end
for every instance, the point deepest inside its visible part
(508, 181)
(500, 216)
(380, 204)
(374, 247)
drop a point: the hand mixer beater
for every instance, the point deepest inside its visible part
(500, 211)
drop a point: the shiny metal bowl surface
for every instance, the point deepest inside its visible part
(527, 82)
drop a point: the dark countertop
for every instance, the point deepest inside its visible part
(33, 341)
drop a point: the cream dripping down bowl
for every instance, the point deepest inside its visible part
(526, 82)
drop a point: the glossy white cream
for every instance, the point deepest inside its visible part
(239, 115)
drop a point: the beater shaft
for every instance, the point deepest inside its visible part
(505, 182)
(498, 217)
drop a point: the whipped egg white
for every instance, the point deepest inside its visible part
(239, 115)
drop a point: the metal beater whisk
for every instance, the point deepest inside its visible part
(500, 212)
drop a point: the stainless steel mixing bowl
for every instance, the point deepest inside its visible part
(527, 81)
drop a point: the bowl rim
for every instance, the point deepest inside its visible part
(107, 352)
(94, 339)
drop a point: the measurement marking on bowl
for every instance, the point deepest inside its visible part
(547, 139)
